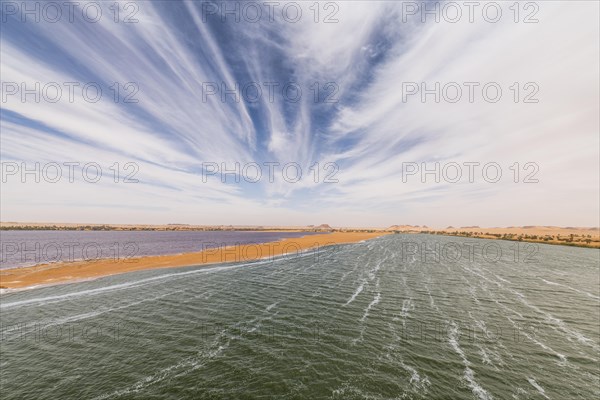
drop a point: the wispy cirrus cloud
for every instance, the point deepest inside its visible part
(181, 55)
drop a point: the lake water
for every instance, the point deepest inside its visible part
(398, 317)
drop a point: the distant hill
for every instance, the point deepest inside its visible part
(323, 226)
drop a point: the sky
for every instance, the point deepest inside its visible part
(301, 113)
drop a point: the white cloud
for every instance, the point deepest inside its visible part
(370, 132)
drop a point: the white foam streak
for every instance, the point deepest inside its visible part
(538, 387)
(126, 285)
(358, 290)
(469, 375)
(373, 303)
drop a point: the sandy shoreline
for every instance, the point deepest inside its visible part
(64, 272)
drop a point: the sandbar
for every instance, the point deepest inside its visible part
(64, 272)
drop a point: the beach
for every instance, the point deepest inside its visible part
(64, 272)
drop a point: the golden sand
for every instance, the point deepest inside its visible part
(47, 274)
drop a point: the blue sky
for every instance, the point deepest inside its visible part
(178, 51)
